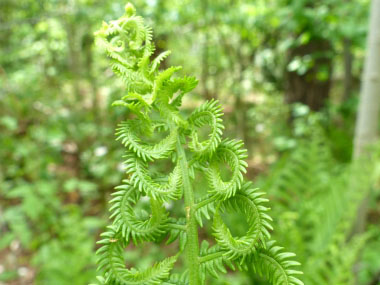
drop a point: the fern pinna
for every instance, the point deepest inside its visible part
(154, 97)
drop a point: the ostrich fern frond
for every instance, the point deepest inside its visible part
(154, 96)
(317, 204)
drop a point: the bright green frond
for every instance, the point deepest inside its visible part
(163, 188)
(177, 279)
(126, 221)
(277, 266)
(113, 265)
(154, 97)
(231, 153)
(249, 202)
(204, 208)
(212, 261)
(210, 114)
(128, 134)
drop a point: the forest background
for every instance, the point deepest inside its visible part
(291, 75)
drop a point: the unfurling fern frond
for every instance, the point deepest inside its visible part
(155, 96)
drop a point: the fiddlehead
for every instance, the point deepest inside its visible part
(153, 93)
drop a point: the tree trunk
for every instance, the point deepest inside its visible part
(87, 47)
(368, 113)
(74, 57)
(348, 58)
(311, 88)
(205, 74)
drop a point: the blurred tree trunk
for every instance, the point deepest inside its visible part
(368, 113)
(241, 104)
(74, 56)
(87, 47)
(348, 58)
(160, 40)
(312, 87)
(205, 63)
(74, 32)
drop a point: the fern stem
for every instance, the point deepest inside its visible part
(204, 202)
(192, 245)
(210, 256)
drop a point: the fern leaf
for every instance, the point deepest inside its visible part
(276, 265)
(125, 218)
(127, 133)
(212, 261)
(112, 264)
(205, 207)
(209, 113)
(230, 152)
(156, 62)
(142, 180)
(153, 93)
(249, 202)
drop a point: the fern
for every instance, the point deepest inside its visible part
(154, 96)
(318, 204)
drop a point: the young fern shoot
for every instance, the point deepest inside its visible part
(154, 97)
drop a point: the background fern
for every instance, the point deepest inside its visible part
(316, 204)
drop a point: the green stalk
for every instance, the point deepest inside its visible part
(192, 245)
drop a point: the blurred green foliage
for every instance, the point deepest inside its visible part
(59, 161)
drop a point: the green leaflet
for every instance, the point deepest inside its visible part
(112, 263)
(142, 180)
(125, 218)
(177, 279)
(276, 265)
(155, 96)
(213, 261)
(127, 133)
(249, 202)
(209, 113)
(230, 152)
